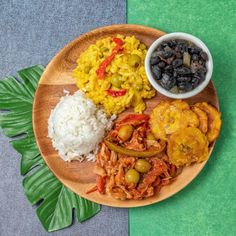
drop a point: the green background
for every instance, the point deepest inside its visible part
(208, 205)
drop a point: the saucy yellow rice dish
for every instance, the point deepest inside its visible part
(126, 71)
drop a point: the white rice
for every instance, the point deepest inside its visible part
(76, 127)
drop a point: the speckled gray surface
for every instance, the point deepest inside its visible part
(31, 32)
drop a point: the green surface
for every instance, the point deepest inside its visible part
(208, 205)
(55, 202)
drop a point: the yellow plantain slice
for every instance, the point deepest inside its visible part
(191, 118)
(214, 120)
(156, 118)
(168, 117)
(180, 104)
(203, 119)
(187, 146)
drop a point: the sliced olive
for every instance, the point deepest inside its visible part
(125, 132)
(87, 69)
(132, 176)
(104, 49)
(116, 80)
(142, 166)
(134, 60)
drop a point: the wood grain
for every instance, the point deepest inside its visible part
(57, 76)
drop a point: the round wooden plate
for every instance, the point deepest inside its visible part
(79, 177)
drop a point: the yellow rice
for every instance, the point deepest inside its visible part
(95, 88)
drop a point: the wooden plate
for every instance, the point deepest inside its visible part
(78, 176)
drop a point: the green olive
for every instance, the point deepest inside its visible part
(116, 80)
(134, 60)
(104, 49)
(132, 176)
(150, 136)
(87, 69)
(125, 132)
(142, 166)
(142, 46)
(138, 86)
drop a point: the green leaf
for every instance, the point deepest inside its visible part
(56, 209)
(55, 201)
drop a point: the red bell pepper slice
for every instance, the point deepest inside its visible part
(100, 182)
(102, 68)
(116, 93)
(133, 119)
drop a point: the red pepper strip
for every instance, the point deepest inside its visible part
(101, 181)
(118, 41)
(93, 189)
(133, 119)
(116, 93)
(102, 68)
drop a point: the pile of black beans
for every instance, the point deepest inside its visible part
(178, 65)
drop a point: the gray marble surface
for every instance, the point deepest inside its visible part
(31, 32)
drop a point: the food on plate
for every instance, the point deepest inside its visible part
(76, 127)
(135, 167)
(111, 73)
(142, 153)
(178, 65)
(214, 120)
(203, 118)
(187, 146)
(168, 117)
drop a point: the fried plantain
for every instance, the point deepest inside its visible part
(168, 117)
(214, 120)
(203, 118)
(187, 146)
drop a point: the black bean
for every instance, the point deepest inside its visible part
(154, 54)
(160, 53)
(183, 71)
(195, 82)
(169, 68)
(184, 79)
(195, 66)
(188, 87)
(201, 70)
(154, 60)
(204, 56)
(168, 84)
(181, 48)
(200, 75)
(165, 77)
(172, 43)
(195, 57)
(194, 50)
(156, 71)
(167, 54)
(164, 44)
(177, 62)
(182, 85)
(161, 64)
